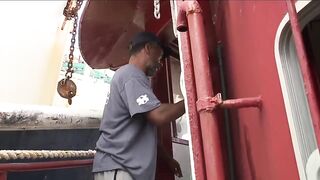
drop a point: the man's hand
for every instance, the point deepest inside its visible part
(175, 167)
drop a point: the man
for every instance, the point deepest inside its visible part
(127, 146)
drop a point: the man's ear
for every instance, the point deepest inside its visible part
(147, 48)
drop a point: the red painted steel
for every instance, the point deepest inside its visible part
(161, 85)
(3, 175)
(157, 25)
(208, 121)
(211, 103)
(196, 139)
(106, 28)
(192, 110)
(40, 166)
(37, 166)
(305, 68)
(242, 102)
(261, 139)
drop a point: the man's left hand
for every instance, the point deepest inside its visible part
(175, 167)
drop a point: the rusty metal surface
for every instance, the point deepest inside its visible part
(262, 142)
(196, 139)
(157, 25)
(212, 145)
(208, 121)
(30, 117)
(41, 166)
(106, 28)
(192, 111)
(3, 175)
(305, 67)
(38, 166)
(211, 103)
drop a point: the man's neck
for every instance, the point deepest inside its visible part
(137, 63)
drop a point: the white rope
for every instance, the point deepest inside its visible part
(44, 154)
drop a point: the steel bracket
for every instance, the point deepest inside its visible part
(212, 103)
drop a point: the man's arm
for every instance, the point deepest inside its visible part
(166, 113)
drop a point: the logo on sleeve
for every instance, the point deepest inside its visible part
(143, 99)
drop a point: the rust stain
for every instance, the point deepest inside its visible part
(17, 117)
(37, 120)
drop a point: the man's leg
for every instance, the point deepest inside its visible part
(123, 175)
(112, 175)
(107, 175)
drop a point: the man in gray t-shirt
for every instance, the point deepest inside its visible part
(128, 140)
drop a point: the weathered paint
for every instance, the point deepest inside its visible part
(213, 103)
(192, 111)
(36, 166)
(157, 25)
(305, 68)
(212, 146)
(32, 117)
(104, 39)
(3, 175)
(261, 139)
(195, 131)
(40, 166)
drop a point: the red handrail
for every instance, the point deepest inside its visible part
(305, 69)
(41, 166)
(190, 18)
(194, 120)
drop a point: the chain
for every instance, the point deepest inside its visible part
(72, 13)
(67, 11)
(156, 4)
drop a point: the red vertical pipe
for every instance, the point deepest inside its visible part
(306, 72)
(208, 121)
(196, 139)
(3, 175)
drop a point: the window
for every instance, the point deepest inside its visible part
(296, 103)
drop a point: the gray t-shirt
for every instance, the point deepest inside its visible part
(128, 140)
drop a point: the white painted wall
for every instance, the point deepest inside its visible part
(31, 50)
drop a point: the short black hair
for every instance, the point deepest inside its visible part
(138, 47)
(135, 49)
(140, 40)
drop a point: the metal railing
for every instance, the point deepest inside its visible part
(5, 168)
